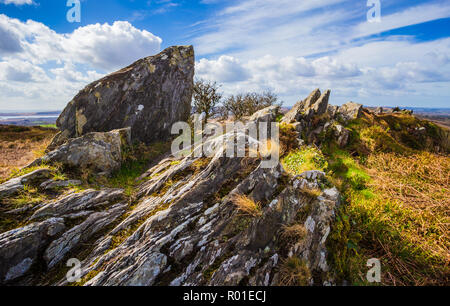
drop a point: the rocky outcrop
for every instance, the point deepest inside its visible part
(185, 223)
(315, 119)
(98, 152)
(185, 227)
(379, 111)
(148, 96)
(297, 112)
(193, 233)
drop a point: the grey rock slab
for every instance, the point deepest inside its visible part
(76, 202)
(19, 248)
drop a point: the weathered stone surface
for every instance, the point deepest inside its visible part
(296, 113)
(184, 227)
(148, 96)
(379, 111)
(321, 106)
(52, 184)
(268, 114)
(11, 187)
(350, 110)
(77, 202)
(99, 152)
(19, 248)
(332, 110)
(15, 185)
(342, 135)
(59, 139)
(81, 234)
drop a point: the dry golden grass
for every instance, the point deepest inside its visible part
(247, 206)
(312, 193)
(421, 183)
(294, 232)
(294, 272)
(19, 146)
(267, 149)
(401, 215)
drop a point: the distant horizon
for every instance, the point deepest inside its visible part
(31, 112)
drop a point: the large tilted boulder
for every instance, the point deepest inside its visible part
(98, 152)
(148, 96)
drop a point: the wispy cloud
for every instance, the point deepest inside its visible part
(294, 46)
(17, 2)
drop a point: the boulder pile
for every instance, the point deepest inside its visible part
(314, 118)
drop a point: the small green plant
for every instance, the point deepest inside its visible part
(59, 176)
(49, 126)
(136, 161)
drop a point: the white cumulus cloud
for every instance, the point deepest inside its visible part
(56, 66)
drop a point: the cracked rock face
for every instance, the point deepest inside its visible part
(77, 202)
(67, 224)
(201, 239)
(20, 248)
(81, 234)
(148, 96)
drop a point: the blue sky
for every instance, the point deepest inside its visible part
(288, 46)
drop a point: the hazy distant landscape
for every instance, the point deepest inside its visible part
(29, 119)
(440, 116)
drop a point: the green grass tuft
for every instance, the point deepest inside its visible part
(305, 159)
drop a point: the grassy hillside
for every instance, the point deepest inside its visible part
(19, 146)
(394, 177)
